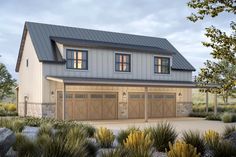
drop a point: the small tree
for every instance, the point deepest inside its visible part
(221, 71)
(6, 82)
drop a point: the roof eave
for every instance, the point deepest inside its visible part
(20, 53)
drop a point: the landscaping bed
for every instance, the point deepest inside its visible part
(49, 137)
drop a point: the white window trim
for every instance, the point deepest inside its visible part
(114, 63)
(166, 56)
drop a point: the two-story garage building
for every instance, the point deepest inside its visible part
(83, 74)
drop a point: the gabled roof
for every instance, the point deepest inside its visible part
(44, 37)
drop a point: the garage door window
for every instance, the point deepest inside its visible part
(110, 96)
(96, 96)
(81, 96)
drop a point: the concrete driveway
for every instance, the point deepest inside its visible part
(181, 124)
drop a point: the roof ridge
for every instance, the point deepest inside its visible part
(137, 35)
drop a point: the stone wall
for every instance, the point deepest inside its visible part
(48, 110)
(183, 109)
(34, 109)
(37, 109)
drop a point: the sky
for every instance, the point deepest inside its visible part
(157, 18)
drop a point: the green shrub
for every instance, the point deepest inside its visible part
(4, 113)
(198, 114)
(63, 147)
(118, 152)
(194, 138)
(228, 117)
(26, 147)
(213, 117)
(90, 130)
(20, 138)
(139, 144)
(181, 149)
(45, 129)
(123, 134)
(104, 137)
(32, 121)
(228, 130)
(10, 107)
(72, 144)
(211, 137)
(16, 125)
(91, 149)
(223, 148)
(162, 134)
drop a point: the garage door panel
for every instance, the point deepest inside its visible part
(136, 105)
(81, 106)
(95, 106)
(170, 105)
(109, 108)
(88, 106)
(156, 105)
(59, 105)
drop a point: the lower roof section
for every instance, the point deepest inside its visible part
(121, 82)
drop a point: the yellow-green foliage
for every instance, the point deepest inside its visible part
(139, 144)
(104, 137)
(181, 149)
(10, 107)
(211, 137)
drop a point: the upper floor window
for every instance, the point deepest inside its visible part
(27, 62)
(162, 65)
(76, 59)
(122, 62)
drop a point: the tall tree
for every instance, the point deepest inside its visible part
(6, 82)
(222, 70)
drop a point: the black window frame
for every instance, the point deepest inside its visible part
(77, 60)
(122, 62)
(156, 65)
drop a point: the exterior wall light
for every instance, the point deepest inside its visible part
(26, 98)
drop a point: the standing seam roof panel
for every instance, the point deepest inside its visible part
(41, 33)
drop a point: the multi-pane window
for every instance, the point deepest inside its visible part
(77, 59)
(161, 65)
(122, 62)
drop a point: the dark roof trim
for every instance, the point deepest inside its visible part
(120, 82)
(179, 69)
(21, 49)
(110, 45)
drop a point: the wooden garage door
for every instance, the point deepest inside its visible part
(162, 105)
(80, 110)
(155, 103)
(95, 106)
(159, 105)
(59, 105)
(136, 105)
(169, 105)
(88, 106)
(109, 108)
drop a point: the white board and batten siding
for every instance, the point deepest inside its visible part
(101, 64)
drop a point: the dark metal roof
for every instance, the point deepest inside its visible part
(121, 82)
(44, 36)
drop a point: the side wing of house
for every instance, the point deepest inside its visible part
(30, 81)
